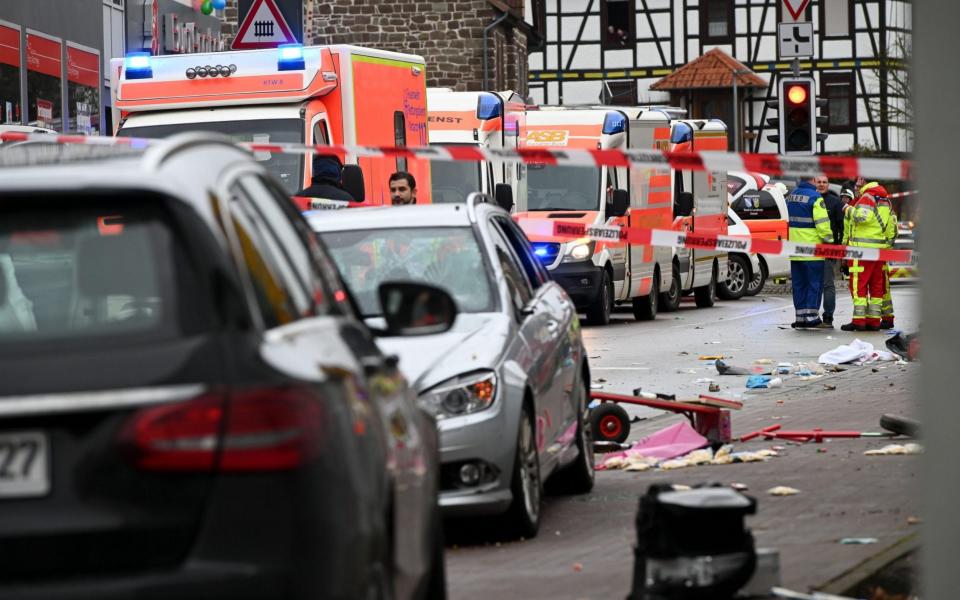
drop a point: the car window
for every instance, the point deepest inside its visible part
(756, 205)
(292, 236)
(521, 248)
(517, 283)
(279, 299)
(734, 184)
(76, 269)
(447, 257)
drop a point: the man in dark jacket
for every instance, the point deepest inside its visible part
(325, 183)
(835, 210)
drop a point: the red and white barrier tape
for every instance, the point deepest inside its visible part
(903, 194)
(725, 243)
(838, 167)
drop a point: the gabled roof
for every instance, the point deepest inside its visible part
(712, 70)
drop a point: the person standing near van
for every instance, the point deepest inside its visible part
(835, 211)
(809, 223)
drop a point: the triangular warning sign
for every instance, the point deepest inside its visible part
(794, 7)
(263, 27)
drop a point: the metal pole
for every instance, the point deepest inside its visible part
(736, 117)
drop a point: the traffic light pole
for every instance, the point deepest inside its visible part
(795, 65)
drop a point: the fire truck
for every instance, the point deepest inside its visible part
(486, 119)
(339, 94)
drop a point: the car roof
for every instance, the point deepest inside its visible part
(189, 167)
(392, 217)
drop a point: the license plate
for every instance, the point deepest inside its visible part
(24, 464)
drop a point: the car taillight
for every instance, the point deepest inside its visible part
(249, 430)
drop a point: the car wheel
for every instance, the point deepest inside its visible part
(598, 313)
(670, 300)
(610, 423)
(735, 286)
(523, 516)
(645, 307)
(706, 295)
(578, 476)
(759, 280)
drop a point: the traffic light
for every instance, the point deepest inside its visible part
(797, 121)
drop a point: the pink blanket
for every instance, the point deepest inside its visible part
(670, 442)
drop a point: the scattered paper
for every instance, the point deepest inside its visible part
(782, 490)
(858, 541)
(894, 449)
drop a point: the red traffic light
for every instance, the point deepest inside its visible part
(797, 94)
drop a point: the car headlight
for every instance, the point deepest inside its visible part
(461, 396)
(578, 250)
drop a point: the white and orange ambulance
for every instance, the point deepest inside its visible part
(596, 274)
(700, 205)
(486, 119)
(315, 95)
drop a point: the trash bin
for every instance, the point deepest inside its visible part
(692, 544)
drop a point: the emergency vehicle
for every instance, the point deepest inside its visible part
(599, 275)
(700, 208)
(487, 119)
(596, 274)
(316, 95)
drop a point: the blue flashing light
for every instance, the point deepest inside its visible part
(489, 107)
(614, 122)
(291, 58)
(137, 65)
(681, 133)
(540, 250)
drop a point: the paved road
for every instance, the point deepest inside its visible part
(585, 542)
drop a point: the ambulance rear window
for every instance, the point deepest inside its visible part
(286, 168)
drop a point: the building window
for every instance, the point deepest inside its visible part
(618, 22)
(716, 21)
(619, 92)
(44, 81)
(10, 74)
(841, 109)
(836, 19)
(83, 89)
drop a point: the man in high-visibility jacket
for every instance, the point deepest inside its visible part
(885, 208)
(809, 224)
(865, 227)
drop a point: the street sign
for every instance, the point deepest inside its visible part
(795, 8)
(794, 40)
(263, 27)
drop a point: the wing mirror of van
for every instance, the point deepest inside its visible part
(352, 178)
(619, 203)
(415, 308)
(503, 195)
(683, 207)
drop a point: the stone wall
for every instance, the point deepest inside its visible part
(449, 35)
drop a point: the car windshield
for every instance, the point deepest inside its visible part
(286, 168)
(447, 257)
(563, 188)
(453, 181)
(88, 270)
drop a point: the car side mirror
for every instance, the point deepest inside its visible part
(619, 203)
(352, 179)
(683, 207)
(503, 195)
(415, 308)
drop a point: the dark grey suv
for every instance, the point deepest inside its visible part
(189, 405)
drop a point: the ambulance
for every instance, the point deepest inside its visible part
(700, 209)
(339, 94)
(485, 119)
(596, 274)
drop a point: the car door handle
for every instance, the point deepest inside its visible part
(552, 326)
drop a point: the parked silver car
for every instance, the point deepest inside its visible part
(509, 383)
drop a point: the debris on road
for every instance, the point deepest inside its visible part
(725, 369)
(758, 382)
(859, 541)
(763, 361)
(857, 352)
(914, 520)
(670, 442)
(596, 386)
(687, 371)
(740, 487)
(577, 567)
(776, 382)
(905, 346)
(783, 490)
(711, 357)
(714, 387)
(704, 380)
(896, 449)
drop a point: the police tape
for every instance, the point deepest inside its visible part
(837, 167)
(563, 230)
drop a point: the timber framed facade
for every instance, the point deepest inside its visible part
(612, 51)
